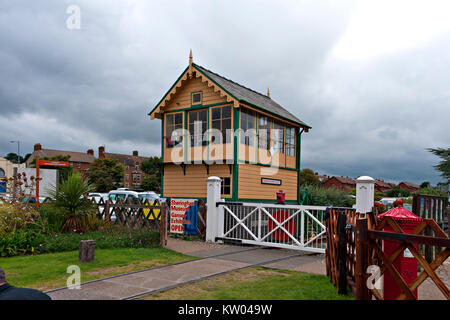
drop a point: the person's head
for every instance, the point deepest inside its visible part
(2, 277)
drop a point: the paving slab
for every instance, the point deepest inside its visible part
(123, 286)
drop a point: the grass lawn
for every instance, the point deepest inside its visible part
(48, 271)
(256, 283)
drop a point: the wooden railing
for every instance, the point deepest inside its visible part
(134, 213)
(355, 243)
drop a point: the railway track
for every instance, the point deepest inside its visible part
(197, 279)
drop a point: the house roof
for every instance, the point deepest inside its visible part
(383, 184)
(344, 180)
(410, 184)
(125, 158)
(74, 156)
(246, 95)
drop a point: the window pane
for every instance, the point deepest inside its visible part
(178, 118)
(226, 112)
(216, 124)
(216, 113)
(203, 115)
(226, 124)
(196, 97)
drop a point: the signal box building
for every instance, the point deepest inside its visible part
(230, 131)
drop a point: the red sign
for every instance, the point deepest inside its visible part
(53, 163)
(290, 226)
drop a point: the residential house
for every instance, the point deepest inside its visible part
(80, 161)
(133, 174)
(341, 183)
(382, 186)
(411, 187)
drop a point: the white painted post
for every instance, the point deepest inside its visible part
(212, 216)
(365, 194)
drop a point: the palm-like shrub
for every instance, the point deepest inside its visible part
(69, 195)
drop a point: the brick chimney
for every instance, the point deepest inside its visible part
(135, 153)
(37, 147)
(101, 152)
(91, 152)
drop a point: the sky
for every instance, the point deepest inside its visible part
(370, 77)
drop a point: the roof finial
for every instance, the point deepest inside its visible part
(190, 58)
(268, 92)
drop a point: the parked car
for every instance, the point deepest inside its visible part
(97, 196)
(114, 195)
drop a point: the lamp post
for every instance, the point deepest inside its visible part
(18, 153)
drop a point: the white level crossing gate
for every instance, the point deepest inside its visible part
(275, 225)
(283, 226)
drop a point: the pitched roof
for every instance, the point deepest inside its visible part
(125, 158)
(74, 156)
(410, 184)
(383, 184)
(344, 180)
(246, 95)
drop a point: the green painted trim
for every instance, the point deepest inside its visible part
(198, 107)
(207, 144)
(162, 156)
(235, 187)
(297, 153)
(303, 125)
(195, 66)
(265, 165)
(169, 90)
(185, 138)
(251, 104)
(201, 99)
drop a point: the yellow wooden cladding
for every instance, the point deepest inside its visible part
(193, 184)
(250, 186)
(182, 98)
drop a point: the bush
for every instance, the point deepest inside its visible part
(51, 218)
(20, 242)
(328, 197)
(15, 216)
(70, 196)
(114, 237)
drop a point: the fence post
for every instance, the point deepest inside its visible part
(365, 191)
(106, 212)
(212, 211)
(163, 225)
(448, 219)
(362, 259)
(342, 254)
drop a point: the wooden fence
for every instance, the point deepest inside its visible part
(135, 213)
(431, 207)
(354, 242)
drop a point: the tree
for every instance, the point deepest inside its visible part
(105, 174)
(152, 178)
(69, 195)
(398, 192)
(151, 183)
(308, 177)
(12, 157)
(425, 184)
(444, 165)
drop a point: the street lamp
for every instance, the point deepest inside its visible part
(18, 152)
